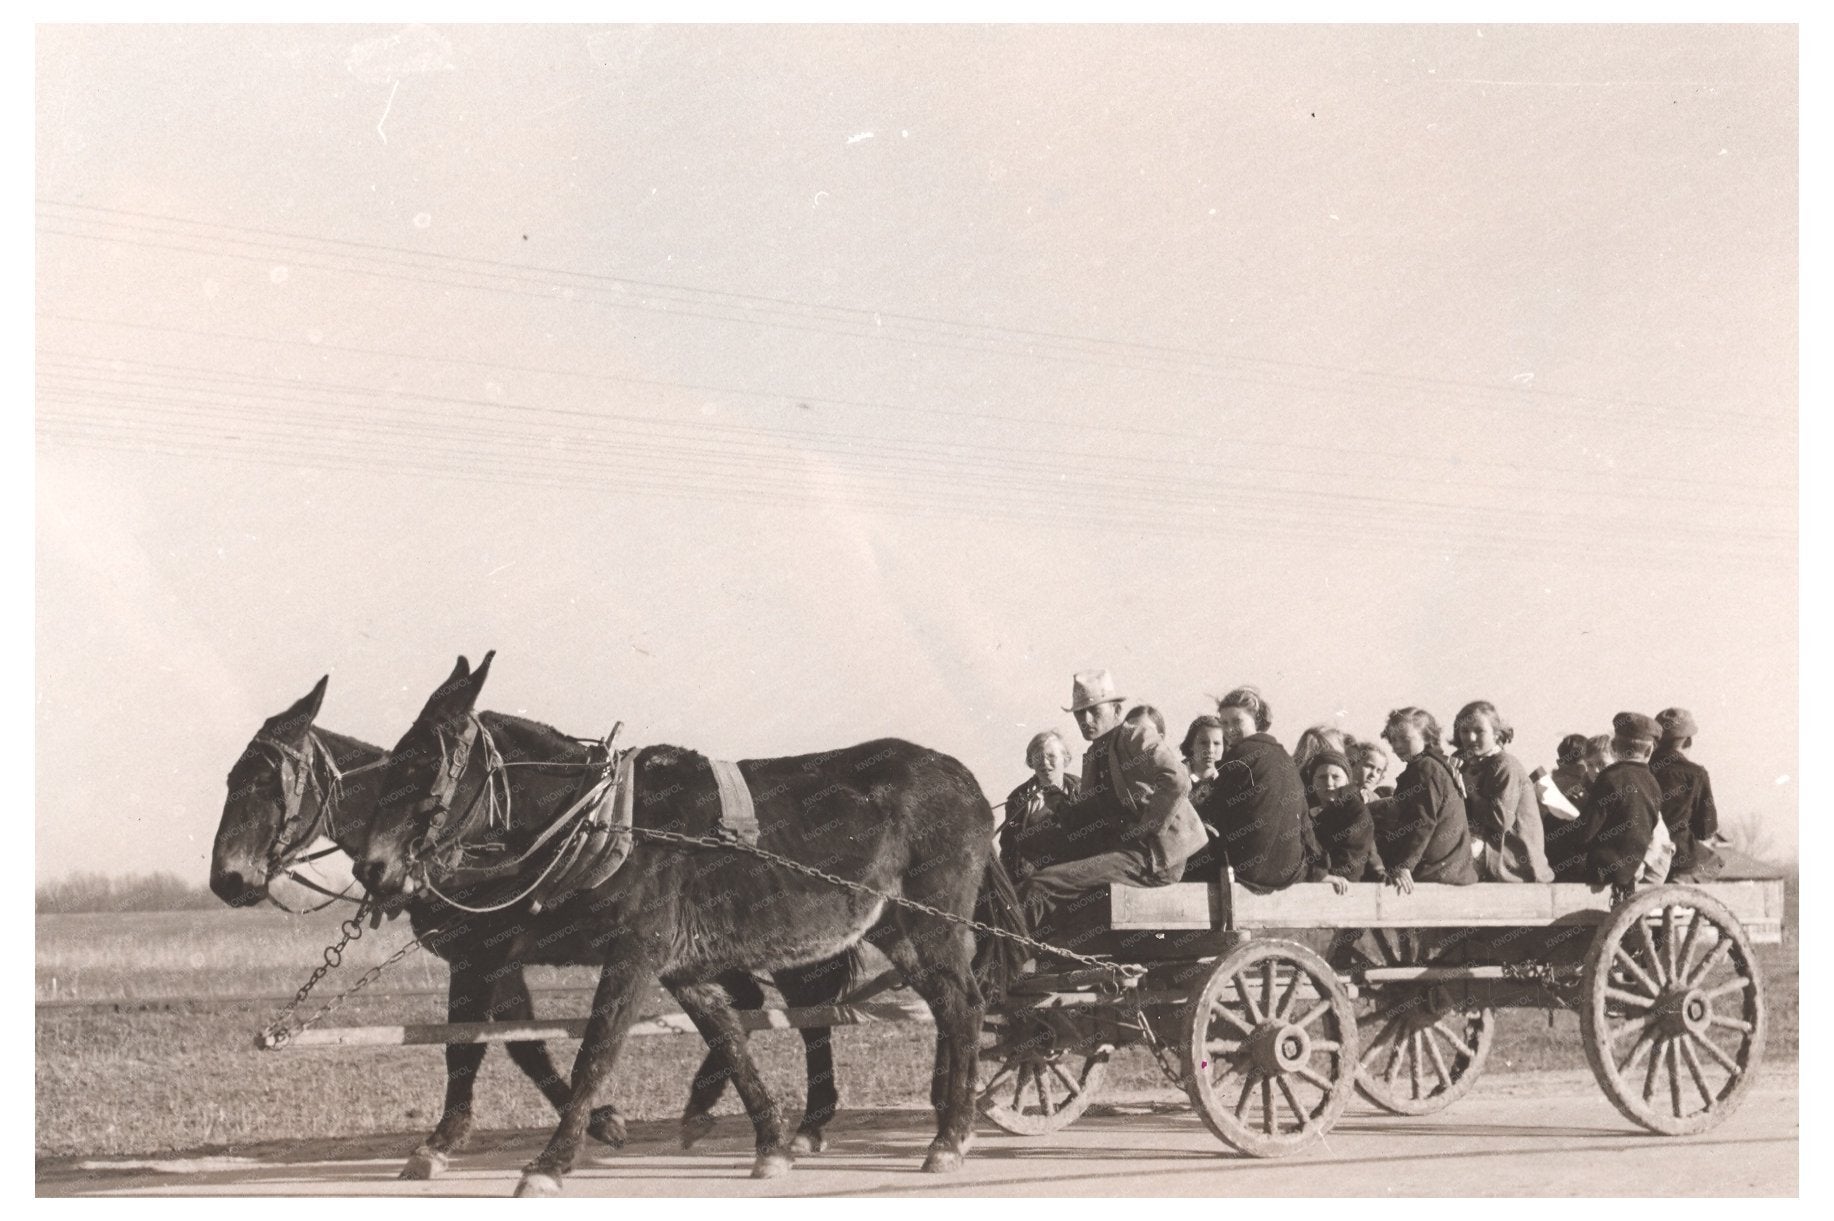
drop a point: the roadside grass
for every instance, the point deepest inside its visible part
(156, 1077)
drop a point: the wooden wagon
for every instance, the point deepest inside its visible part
(1272, 1010)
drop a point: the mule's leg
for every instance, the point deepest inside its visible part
(708, 1007)
(614, 1008)
(936, 959)
(531, 1056)
(467, 1000)
(711, 1078)
(822, 983)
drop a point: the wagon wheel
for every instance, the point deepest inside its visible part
(1423, 1045)
(1670, 976)
(1040, 1081)
(1270, 1057)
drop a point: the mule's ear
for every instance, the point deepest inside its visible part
(295, 721)
(459, 693)
(482, 672)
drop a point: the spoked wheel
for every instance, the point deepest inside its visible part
(1672, 1010)
(1040, 1081)
(1421, 1051)
(1270, 1058)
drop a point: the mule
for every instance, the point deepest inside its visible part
(297, 784)
(884, 819)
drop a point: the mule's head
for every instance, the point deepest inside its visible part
(432, 780)
(268, 791)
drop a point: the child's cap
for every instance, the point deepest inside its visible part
(1327, 756)
(1677, 723)
(1635, 726)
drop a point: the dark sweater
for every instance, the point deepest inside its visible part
(1620, 821)
(1344, 837)
(1687, 809)
(1422, 827)
(1257, 807)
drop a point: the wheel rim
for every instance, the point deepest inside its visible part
(1674, 1012)
(1038, 1083)
(1272, 1039)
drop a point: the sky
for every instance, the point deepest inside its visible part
(770, 389)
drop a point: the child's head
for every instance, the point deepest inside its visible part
(1572, 751)
(1678, 728)
(1238, 723)
(1253, 702)
(1203, 743)
(1147, 714)
(1048, 753)
(1318, 738)
(1369, 761)
(1327, 774)
(1481, 729)
(1633, 736)
(1599, 754)
(1410, 731)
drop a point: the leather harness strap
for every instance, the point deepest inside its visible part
(738, 818)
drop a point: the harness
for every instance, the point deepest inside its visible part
(589, 840)
(315, 768)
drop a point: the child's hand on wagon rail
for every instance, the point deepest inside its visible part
(1339, 884)
(1403, 880)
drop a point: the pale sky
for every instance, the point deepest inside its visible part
(770, 389)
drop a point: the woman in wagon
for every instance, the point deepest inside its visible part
(1420, 831)
(1031, 809)
(1258, 805)
(1500, 805)
(1624, 810)
(1135, 810)
(1342, 831)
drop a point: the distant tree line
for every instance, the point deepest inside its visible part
(133, 892)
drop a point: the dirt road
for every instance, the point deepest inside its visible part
(1523, 1134)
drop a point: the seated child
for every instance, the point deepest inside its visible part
(1420, 831)
(1687, 799)
(1500, 804)
(1343, 834)
(1624, 807)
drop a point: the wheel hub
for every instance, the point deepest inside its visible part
(1280, 1048)
(1684, 1012)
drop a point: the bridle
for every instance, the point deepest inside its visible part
(492, 806)
(299, 770)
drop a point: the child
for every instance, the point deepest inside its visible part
(1500, 804)
(1420, 831)
(1370, 759)
(1687, 799)
(1624, 807)
(1343, 834)
(1313, 742)
(1570, 769)
(1031, 809)
(1203, 750)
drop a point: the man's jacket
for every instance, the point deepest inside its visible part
(1148, 780)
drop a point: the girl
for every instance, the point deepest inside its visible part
(1314, 742)
(1420, 831)
(1500, 805)
(1370, 762)
(1203, 750)
(1343, 834)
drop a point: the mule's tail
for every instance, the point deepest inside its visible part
(997, 960)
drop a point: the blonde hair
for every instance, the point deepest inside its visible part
(1034, 751)
(1420, 719)
(1315, 741)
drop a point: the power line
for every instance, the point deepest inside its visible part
(876, 316)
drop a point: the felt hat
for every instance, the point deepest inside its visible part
(1677, 723)
(1634, 725)
(1091, 687)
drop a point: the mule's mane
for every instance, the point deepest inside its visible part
(534, 739)
(348, 752)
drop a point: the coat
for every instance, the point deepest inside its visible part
(1030, 810)
(1422, 827)
(1344, 842)
(1688, 811)
(1503, 814)
(1257, 807)
(1620, 822)
(1143, 773)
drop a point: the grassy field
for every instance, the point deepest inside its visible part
(149, 1077)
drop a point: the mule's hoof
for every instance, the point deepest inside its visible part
(808, 1142)
(693, 1127)
(424, 1163)
(535, 1183)
(943, 1161)
(607, 1126)
(772, 1165)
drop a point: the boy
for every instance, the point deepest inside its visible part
(1687, 798)
(1343, 832)
(1623, 806)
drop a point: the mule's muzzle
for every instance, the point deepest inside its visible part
(236, 888)
(383, 879)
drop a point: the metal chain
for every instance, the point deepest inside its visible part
(708, 841)
(278, 1033)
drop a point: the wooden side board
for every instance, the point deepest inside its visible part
(1197, 905)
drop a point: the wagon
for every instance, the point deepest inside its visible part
(1272, 1010)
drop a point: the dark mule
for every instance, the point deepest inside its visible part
(896, 818)
(296, 783)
